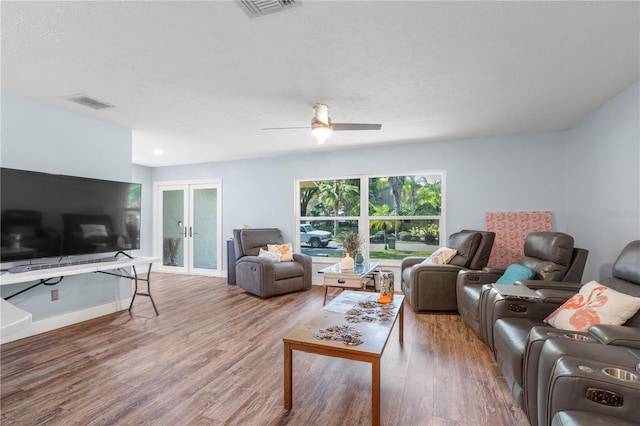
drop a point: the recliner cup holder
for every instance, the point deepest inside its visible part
(620, 374)
(578, 337)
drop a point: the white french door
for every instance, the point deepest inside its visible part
(188, 227)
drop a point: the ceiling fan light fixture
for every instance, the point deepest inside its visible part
(322, 127)
(321, 123)
(320, 130)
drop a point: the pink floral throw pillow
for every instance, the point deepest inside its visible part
(594, 304)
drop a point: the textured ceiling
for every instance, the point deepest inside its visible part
(200, 79)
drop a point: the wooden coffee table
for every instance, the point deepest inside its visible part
(374, 337)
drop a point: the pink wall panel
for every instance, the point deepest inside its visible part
(511, 229)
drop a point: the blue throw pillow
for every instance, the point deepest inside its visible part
(515, 273)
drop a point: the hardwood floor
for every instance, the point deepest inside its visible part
(214, 356)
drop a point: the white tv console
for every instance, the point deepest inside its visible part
(13, 318)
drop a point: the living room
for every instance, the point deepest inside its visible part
(587, 175)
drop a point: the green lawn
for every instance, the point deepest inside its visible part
(390, 254)
(397, 254)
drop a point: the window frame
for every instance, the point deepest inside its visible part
(364, 219)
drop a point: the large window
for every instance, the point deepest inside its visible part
(403, 214)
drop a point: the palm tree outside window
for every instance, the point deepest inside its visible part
(403, 214)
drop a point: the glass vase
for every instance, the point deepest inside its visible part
(386, 286)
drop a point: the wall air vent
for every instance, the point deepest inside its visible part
(256, 8)
(88, 101)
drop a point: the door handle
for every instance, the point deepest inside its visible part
(185, 232)
(190, 231)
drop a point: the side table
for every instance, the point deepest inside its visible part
(356, 278)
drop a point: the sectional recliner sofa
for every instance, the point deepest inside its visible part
(559, 375)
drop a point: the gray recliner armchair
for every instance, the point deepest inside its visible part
(521, 340)
(429, 287)
(262, 276)
(588, 384)
(556, 262)
(555, 259)
(544, 346)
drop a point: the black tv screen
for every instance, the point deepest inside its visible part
(46, 215)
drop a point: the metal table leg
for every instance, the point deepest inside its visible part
(148, 293)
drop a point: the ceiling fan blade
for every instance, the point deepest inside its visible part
(284, 128)
(354, 126)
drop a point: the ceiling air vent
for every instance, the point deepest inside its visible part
(90, 102)
(264, 7)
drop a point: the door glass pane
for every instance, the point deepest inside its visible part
(205, 227)
(173, 227)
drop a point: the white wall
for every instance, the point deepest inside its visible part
(603, 181)
(587, 176)
(40, 138)
(511, 173)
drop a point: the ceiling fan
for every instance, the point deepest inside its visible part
(321, 125)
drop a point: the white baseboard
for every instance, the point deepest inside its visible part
(53, 323)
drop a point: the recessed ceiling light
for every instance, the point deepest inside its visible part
(158, 151)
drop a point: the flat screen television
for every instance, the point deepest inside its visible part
(47, 216)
